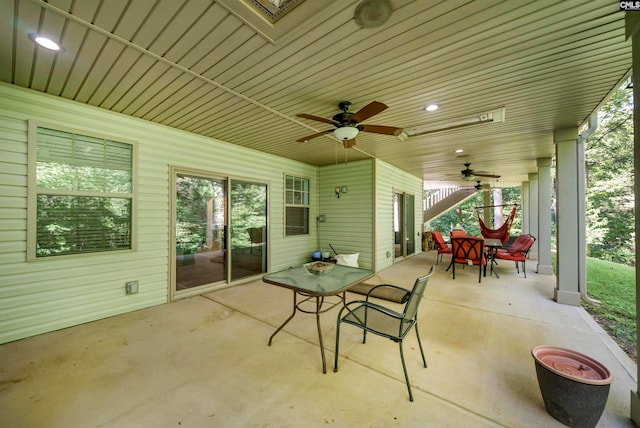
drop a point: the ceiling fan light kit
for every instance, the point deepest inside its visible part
(346, 132)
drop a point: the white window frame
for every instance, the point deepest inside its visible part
(306, 205)
(33, 191)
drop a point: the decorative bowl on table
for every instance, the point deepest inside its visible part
(318, 268)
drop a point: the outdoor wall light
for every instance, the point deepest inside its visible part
(340, 189)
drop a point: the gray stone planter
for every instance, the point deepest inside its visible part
(574, 387)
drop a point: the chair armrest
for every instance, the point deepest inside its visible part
(371, 305)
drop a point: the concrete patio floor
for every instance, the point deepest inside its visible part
(204, 361)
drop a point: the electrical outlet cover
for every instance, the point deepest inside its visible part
(132, 287)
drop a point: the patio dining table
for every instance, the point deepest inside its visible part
(313, 289)
(492, 246)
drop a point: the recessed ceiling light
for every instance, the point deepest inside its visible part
(431, 107)
(459, 150)
(46, 42)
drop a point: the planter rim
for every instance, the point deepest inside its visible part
(572, 365)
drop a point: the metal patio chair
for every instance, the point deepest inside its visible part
(382, 321)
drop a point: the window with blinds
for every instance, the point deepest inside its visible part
(296, 205)
(83, 192)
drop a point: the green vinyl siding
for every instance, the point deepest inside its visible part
(46, 295)
(390, 179)
(53, 293)
(349, 218)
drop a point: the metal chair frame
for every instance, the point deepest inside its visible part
(468, 249)
(370, 317)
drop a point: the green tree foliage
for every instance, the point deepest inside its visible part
(465, 214)
(69, 224)
(248, 209)
(194, 194)
(610, 198)
(199, 195)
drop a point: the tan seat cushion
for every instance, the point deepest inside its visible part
(386, 293)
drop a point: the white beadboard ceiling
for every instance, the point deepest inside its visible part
(217, 69)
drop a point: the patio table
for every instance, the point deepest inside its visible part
(314, 288)
(492, 246)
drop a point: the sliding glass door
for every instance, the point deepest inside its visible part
(404, 230)
(220, 231)
(398, 224)
(200, 231)
(409, 224)
(248, 229)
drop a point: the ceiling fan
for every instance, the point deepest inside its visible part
(481, 186)
(347, 124)
(469, 174)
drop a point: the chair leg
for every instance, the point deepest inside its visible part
(424, 361)
(335, 361)
(517, 268)
(524, 269)
(404, 367)
(438, 258)
(480, 273)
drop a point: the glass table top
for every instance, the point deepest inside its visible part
(337, 280)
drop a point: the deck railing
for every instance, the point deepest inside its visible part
(433, 196)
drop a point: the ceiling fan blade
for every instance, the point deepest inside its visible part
(317, 134)
(479, 174)
(318, 118)
(378, 129)
(349, 143)
(371, 109)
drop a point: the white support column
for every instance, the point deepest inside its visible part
(543, 241)
(568, 280)
(498, 218)
(582, 213)
(632, 22)
(487, 213)
(534, 210)
(526, 207)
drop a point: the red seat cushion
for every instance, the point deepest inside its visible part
(441, 246)
(517, 251)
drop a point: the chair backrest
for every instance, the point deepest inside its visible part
(411, 307)
(467, 248)
(439, 240)
(458, 232)
(256, 235)
(522, 244)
